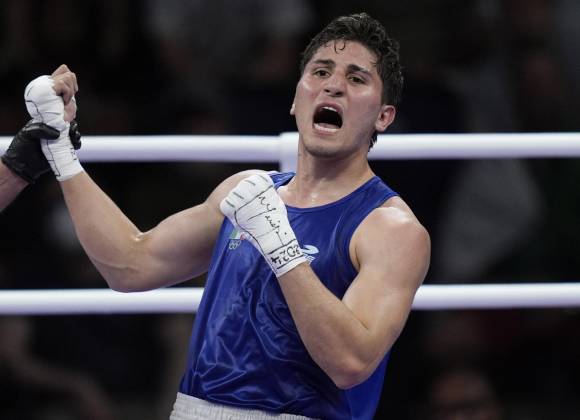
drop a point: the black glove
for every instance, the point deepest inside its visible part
(24, 156)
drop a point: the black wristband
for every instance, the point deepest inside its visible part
(24, 156)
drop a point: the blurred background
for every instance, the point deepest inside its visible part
(230, 67)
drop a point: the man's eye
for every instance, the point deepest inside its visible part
(321, 72)
(357, 80)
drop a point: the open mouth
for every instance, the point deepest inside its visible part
(327, 119)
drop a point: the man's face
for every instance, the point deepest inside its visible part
(338, 101)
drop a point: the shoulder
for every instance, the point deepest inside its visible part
(391, 230)
(394, 215)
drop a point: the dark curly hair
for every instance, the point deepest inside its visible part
(369, 32)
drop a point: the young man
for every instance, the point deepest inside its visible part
(311, 275)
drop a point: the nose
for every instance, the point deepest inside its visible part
(334, 85)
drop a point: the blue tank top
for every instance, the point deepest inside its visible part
(245, 350)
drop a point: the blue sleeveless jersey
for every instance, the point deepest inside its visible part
(245, 350)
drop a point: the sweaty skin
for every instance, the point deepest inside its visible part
(346, 337)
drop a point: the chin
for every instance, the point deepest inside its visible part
(324, 153)
(327, 149)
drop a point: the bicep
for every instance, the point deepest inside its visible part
(393, 256)
(180, 247)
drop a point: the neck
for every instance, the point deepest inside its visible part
(320, 181)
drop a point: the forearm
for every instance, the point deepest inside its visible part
(10, 186)
(109, 238)
(335, 338)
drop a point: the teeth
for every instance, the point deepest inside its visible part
(330, 108)
(325, 129)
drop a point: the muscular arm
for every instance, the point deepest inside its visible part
(177, 249)
(10, 186)
(130, 260)
(348, 338)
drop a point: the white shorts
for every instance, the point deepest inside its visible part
(187, 407)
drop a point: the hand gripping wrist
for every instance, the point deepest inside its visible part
(255, 208)
(45, 106)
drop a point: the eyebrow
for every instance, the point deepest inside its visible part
(354, 68)
(327, 63)
(350, 68)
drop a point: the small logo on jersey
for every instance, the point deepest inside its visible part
(309, 252)
(237, 237)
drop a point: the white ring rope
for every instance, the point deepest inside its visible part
(271, 148)
(282, 149)
(186, 299)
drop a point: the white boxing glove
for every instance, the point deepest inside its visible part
(45, 106)
(255, 208)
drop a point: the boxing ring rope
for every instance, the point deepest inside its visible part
(282, 149)
(186, 299)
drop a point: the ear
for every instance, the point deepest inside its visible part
(385, 118)
(293, 109)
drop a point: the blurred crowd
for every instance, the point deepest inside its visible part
(230, 67)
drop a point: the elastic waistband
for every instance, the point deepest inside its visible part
(187, 407)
